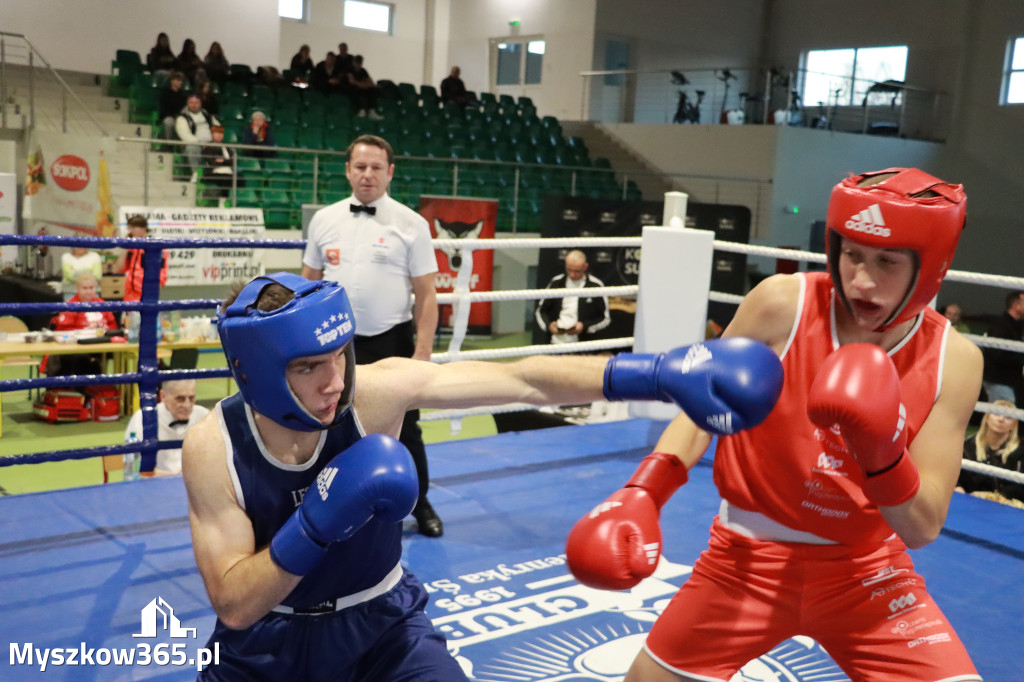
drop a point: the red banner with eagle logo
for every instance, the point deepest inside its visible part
(463, 218)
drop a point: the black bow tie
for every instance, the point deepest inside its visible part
(179, 422)
(359, 208)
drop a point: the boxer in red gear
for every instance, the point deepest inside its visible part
(822, 500)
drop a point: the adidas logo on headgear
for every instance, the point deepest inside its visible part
(869, 221)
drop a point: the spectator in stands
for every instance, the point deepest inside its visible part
(325, 76)
(258, 132)
(997, 443)
(132, 263)
(207, 97)
(218, 166)
(193, 126)
(216, 64)
(453, 89)
(190, 63)
(345, 61)
(1004, 369)
(363, 89)
(302, 65)
(271, 76)
(175, 413)
(952, 313)
(76, 262)
(161, 60)
(568, 319)
(173, 99)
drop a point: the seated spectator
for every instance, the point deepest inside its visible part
(270, 76)
(258, 132)
(997, 443)
(453, 89)
(172, 100)
(207, 97)
(302, 65)
(190, 63)
(345, 62)
(363, 89)
(175, 413)
(74, 320)
(193, 126)
(218, 166)
(324, 78)
(952, 313)
(161, 60)
(216, 64)
(77, 261)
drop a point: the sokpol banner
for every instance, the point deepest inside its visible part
(203, 266)
(67, 182)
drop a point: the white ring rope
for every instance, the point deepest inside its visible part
(991, 470)
(461, 297)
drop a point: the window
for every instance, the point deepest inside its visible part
(372, 16)
(518, 62)
(842, 77)
(1014, 80)
(291, 9)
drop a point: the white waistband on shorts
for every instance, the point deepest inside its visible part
(758, 526)
(341, 603)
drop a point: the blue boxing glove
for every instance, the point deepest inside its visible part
(723, 385)
(375, 477)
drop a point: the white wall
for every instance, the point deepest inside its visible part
(79, 35)
(567, 26)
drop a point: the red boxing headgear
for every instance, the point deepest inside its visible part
(910, 210)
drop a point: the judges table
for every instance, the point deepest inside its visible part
(123, 358)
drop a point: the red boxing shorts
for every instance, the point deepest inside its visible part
(868, 608)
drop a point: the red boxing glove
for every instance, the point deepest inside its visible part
(618, 543)
(858, 389)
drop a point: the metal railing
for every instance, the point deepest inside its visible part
(765, 96)
(26, 75)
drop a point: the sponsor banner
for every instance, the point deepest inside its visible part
(462, 218)
(67, 182)
(560, 631)
(204, 266)
(8, 211)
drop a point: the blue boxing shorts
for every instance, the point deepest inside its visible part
(388, 637)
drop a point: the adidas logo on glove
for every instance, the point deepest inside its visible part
(323, 481)
(869, 221)
(698, 354)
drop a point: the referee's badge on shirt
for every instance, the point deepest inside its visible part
(381, 250)
(334, 256)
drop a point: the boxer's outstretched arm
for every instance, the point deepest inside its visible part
(243, 584)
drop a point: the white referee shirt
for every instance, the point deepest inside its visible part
(168, 461)
(374, 257)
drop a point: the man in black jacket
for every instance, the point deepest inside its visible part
(1003, 368)
(573, 318)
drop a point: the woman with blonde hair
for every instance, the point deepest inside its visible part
(997, 443)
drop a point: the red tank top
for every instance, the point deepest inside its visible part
(800, 475)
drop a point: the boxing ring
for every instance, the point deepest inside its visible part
(108, 570)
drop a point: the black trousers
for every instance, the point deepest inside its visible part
(398, 342)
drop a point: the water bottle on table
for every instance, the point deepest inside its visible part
(132, 460)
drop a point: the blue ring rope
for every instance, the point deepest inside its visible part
(148, 376)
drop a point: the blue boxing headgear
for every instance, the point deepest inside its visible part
(259, 344)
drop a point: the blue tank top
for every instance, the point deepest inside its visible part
(269, 492)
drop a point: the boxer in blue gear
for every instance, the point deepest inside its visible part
(297, 489)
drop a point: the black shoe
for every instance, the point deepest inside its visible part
(427, 519)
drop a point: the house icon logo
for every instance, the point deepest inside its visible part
(158, 614)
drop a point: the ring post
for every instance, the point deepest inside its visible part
(149, 381)
(672, 303)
